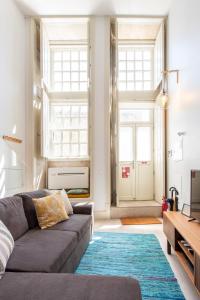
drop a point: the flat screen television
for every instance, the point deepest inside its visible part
(195, 195)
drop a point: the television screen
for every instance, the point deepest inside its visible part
(195, 194)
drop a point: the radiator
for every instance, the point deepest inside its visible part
(68, 178)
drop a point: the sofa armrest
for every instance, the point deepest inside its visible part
(83, 208)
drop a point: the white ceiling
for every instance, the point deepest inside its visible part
(95, 7)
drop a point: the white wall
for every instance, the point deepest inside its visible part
(12, 97)
(100, 141)
(184, 106)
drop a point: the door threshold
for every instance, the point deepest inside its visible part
(138, 203)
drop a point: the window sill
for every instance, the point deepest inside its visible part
(70, 159)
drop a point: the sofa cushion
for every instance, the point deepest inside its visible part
(29, 207)
(76, 223)
(21, 286)
(41, 251)
(12, 215)
(50, 210)
(6, 247)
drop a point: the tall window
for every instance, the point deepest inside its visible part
(69, 130)
(69, 69)
(135, 68)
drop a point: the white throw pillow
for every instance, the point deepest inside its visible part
(68, 206)
(6, 247)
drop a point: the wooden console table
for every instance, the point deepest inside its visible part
(184, 237)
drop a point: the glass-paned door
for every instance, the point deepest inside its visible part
(135, 167)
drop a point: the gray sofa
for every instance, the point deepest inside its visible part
(39, 256)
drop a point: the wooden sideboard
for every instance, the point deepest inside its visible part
(184, 237)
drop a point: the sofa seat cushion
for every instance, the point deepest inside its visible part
(12, 215)
(19, 286)
(42, 251)
(75, 223)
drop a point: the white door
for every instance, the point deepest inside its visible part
(126, 169)
(135, 168)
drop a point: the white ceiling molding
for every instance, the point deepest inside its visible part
(95, 7)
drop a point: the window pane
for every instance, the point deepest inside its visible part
(147, 65)
(130, 55)
(147, 75)
(57, 137)
(66, 136)
(66, 150)
(66, 55)
(122, 65)
(83, 136)
(138, 65)
(135, 115)
(75, 110)
(143, 136)
(58, 86)
(147, 85)
(130, 66)
(83, 66)
(57, 150)
(83, 123)
(57, 66)
(58, 76)
(147, 55)
(122, 55)
(138, 55)
(71, 140)
(66, 76)
(74, 149)
(75, 76)
(83, 55)
(122, 75)
(74, 137)
(83, 86)
(139, 86)
(83, 110)
(83, 149)
(69, 69)
(125, 144)
(75, 123)
(130, 86)
(75, 86)
(138, 75)
(66, 66)
(134, 64)
(75, 66)
(58, 55)
(66, 86)
(83, 76)
(74, 55)
(130, 76)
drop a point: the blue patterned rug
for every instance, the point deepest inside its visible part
(135, 255)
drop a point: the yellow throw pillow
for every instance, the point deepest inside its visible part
(50, 210)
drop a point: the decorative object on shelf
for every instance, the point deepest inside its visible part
(186, 210)
(11, 139)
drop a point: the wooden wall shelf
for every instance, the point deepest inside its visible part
(12, 139)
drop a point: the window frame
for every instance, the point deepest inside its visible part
(87, 129)
(69, 47)
(139, 47)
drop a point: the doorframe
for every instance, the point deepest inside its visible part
(136, 105)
